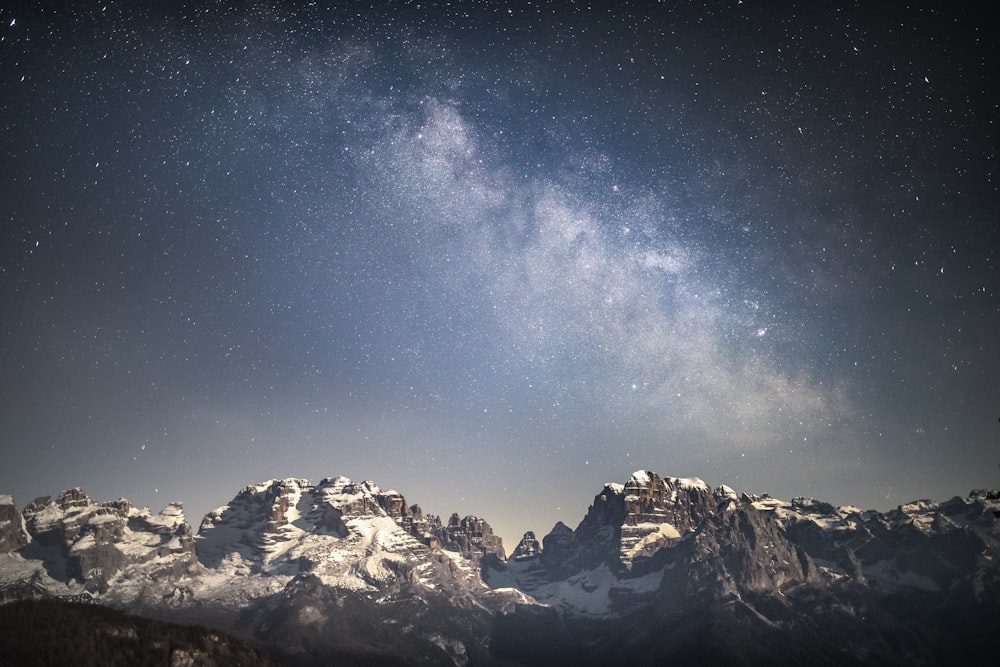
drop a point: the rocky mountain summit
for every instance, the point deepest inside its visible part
(339, 569)
(75, 545)
(668, 569)
(12, 532)
(659, 569)
(652, 533)
(275, 526)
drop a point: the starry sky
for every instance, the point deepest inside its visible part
(495, 254)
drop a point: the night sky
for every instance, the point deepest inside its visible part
(493, 254)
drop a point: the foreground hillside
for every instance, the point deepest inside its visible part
(57, 633)
(659, 570)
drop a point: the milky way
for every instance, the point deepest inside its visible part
(494, 255)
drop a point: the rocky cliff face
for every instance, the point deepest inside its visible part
(344, 566)
(529, 547)
(736, 552)
(669, 570)
(274, 525)
(628, 524)
(339, 569)
(93, 543)
(12, 533)
(921, 545)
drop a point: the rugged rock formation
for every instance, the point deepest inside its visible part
(472, 537)
(266, 514)
(93, 543)
(921, 545)
(306, 568)
(529, 547)
(629, 523)
(735, 552)
(314, 559)
(667, 570)
(12, 532)
(660, 570)
(560, 554)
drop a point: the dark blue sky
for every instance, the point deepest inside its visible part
(496, 254)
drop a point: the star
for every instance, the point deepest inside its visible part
(390, 242)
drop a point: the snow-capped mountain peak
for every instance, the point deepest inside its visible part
(654, 562)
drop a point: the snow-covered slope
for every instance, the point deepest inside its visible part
(350, 536)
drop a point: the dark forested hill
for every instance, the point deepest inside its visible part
(57, 633)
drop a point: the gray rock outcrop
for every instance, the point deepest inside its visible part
(12, 533)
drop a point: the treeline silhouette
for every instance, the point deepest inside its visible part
(36, 633)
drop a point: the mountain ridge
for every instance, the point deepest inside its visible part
(310, 570)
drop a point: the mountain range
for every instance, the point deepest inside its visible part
(659, 569)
